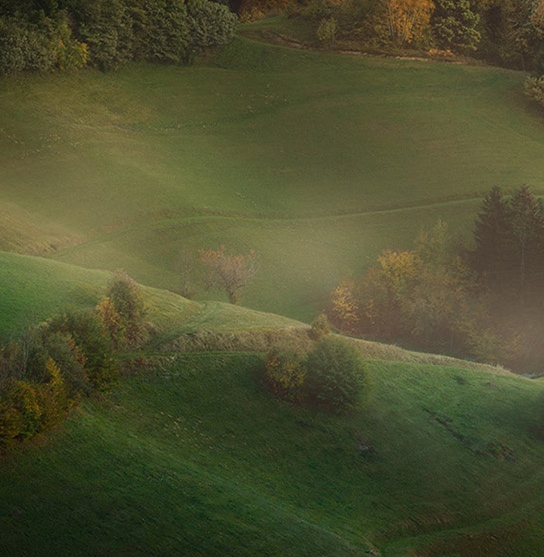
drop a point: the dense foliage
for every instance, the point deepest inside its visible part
(68, 34)
(334, 374)
(504, 32)
(50, 367)
(455, 25)
(330, 376)
(485, 303)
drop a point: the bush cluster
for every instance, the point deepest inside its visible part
(330, 376)
(43, 46)
(49, 369)
(53, 365)
(534, 88)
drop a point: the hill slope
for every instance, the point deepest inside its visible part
(196, 459)
(317, 161)
(34, 289)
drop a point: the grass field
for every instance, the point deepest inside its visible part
(197, 459)
(34, 289)
(317, 161)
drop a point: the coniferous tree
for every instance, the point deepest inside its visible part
(492, 255)
(527, 238)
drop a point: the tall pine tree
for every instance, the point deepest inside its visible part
(492, 256)
(509, 244)
(527, 235)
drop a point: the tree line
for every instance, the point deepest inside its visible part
(503, 32)
(485, 302)
(46, 35)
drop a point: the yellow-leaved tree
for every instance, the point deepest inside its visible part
(344, 307)
(408, 20)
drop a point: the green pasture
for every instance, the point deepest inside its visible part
(318, 161)
(33, 289)
(198, 459)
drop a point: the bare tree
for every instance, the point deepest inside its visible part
(227, 271)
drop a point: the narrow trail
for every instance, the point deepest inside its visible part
(248, 218)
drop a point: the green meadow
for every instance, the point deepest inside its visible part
(196, 459)
(317, 161)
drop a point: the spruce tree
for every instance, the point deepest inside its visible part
(492, 256)
(527, 235)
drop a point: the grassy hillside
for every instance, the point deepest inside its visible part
(197, 460)
(317, 161)
(34, 289)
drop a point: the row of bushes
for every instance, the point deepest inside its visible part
(52, 366)
(109, 33)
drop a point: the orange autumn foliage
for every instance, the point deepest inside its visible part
(345, 308)
(407, 20)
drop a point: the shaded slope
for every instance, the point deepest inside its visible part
(197, 459)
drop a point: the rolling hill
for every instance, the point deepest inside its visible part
(317, 161)
(196, 459)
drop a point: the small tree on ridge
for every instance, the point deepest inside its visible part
(228, 272)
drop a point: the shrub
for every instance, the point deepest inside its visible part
(69, 53)
(39, 46)
(326, 31)
(161, 32)
(319, 327)
(534, 89)
(335, 371)
(68, 356)
(126, 325)
(26, 356)
(210, 23)
(26, 408)
(20, 412)
(96, 346)
(285, 372)
(23, 46)
(112, 321)
(52, 396)
(107, 28)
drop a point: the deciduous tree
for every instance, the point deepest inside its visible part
(408, 20)
(124, 314)
(345, 310)
(455, 25)
(227, 271)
